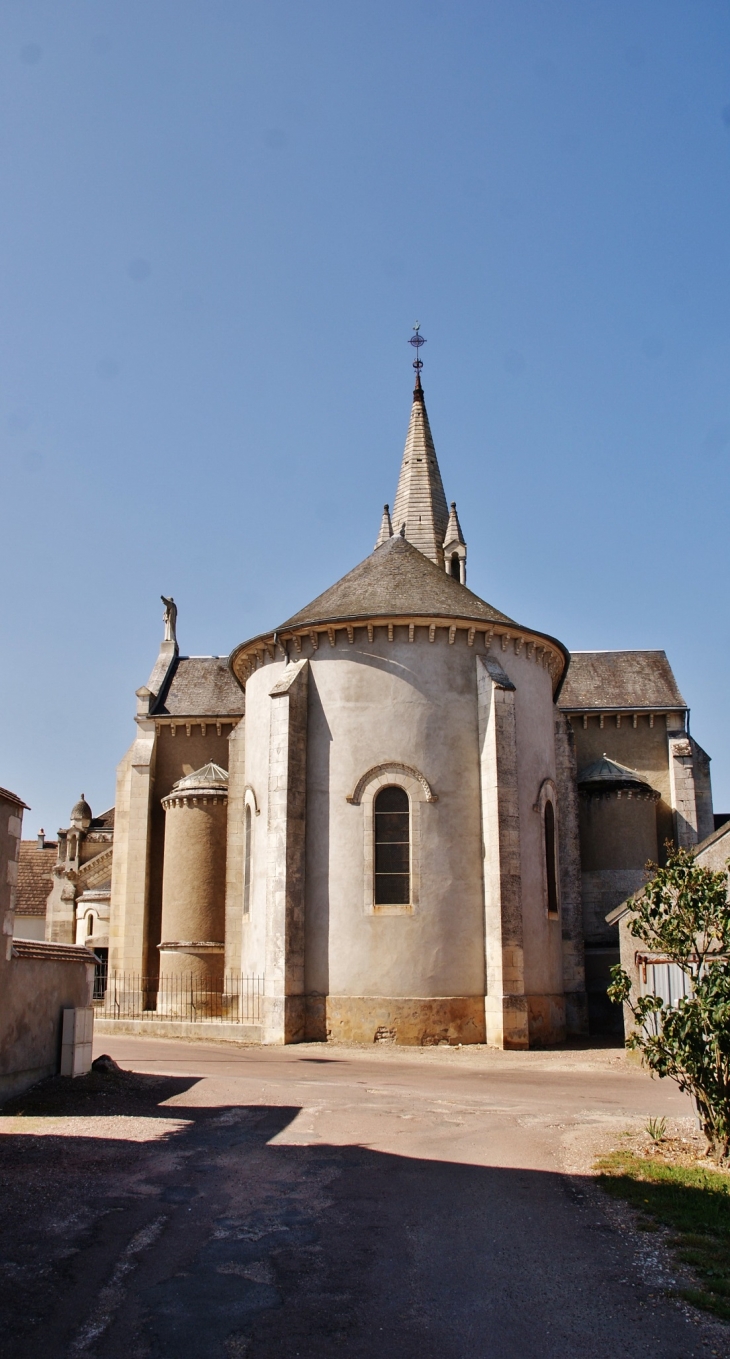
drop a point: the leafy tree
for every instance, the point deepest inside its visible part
(683, 915)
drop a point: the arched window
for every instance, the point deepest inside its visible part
(392, 848)
(247, 861)
(550, 859)
(456, 566)
(89, 924)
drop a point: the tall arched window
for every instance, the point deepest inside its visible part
(392, 848)
(247, 861)
(550, 859)
(456, 566)
(90, 924)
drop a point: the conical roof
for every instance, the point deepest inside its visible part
(420, 502)
(453, 530)
(606, 775)
(386, 528)
(210, 778)
(396, 579)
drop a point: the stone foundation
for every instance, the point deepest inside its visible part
(546, 1020)
(413, 1021)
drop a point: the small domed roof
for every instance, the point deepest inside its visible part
(608, 776)
(210, 778)
(81, 811)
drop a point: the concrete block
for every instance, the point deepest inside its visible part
(77, 1036)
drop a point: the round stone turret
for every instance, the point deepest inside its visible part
(193, 885)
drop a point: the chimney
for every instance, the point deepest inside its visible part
(41, 838)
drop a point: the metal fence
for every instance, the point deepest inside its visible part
(234, 999)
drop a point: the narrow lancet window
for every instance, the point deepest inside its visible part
(247, 862)
(551, 859)
(456, 566)
(392, 848)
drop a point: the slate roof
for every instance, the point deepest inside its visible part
(632, 680)
(35, 877)
(609, 775)
(200, 686)
(420, 502)
(210, 776)
(396, 580)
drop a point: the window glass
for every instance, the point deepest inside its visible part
(550, 865)
(392, 848)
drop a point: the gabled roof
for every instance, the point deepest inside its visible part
(13, 797)
(629, 680)
(103, 822)
(35, 877)
(396, 579)
(199, 686)
(420, 502)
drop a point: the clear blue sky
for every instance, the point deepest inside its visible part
(220, 220)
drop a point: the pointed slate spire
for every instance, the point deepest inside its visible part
(455, 547)
(420, 502)
(453, 532)
(386, 528)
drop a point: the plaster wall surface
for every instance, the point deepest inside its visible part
(534, 721)
(33, 995)
(256, 778)
(414, 703)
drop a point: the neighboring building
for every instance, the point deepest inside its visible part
(79, 902)
(642, 781)
(35, 880)
(37, 980)
(649, 972)
(395, 806)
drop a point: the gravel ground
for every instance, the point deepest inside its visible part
(334, 1201)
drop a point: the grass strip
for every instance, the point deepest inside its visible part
(694, 1203)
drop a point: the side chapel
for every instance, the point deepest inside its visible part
(407, 811)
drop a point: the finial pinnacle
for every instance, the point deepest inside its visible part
(417, 339)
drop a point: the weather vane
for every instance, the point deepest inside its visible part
(417, 339)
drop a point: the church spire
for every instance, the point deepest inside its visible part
(386, 528)
(420, 502)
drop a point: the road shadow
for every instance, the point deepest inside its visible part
(229, 1232)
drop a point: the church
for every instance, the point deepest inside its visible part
(407, 812)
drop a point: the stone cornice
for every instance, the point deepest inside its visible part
(477, 633)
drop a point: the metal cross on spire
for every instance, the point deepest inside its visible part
(417, 339)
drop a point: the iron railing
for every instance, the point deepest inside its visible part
(234, 999)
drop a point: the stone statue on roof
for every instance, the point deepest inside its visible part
(170, 618)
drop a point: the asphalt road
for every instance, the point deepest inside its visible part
(321, 1202)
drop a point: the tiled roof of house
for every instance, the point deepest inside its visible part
(35, 877)
(620, 679)
(41, 950)
(13, 797)
(200, 686)
(396, 579)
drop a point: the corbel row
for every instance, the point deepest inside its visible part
(262, 651)
(190, 726)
